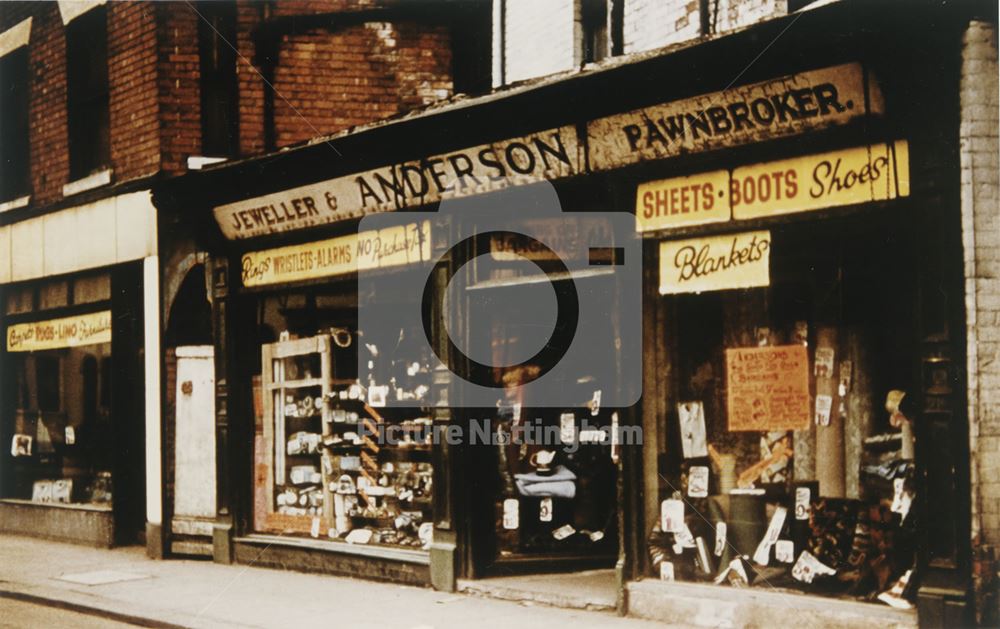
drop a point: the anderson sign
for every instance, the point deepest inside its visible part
(878, 172)
(392, 246)
(783, 106)
(87, 329)
(552, 154)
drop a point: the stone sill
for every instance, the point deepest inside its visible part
(95, 180)
(58, 505)
(421, 557)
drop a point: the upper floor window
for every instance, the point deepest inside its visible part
(14, 150)
(216, 38)
(87, 93)
(594, 26)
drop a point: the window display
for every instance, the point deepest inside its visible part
(337, 456)
(61, 445)
(789, 459)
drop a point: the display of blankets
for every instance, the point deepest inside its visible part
(560, 483)
(832, 524)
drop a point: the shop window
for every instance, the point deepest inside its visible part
(788, 457)
(87, 93)
(53, 295)
(319, 470)
(14, 148)
(62, 441)
(594, 29)
(216, 38)
(19, 300)
(87, 290)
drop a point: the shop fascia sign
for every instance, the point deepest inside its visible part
(779, 107)
(784, 106)
(877, 172)
(551, 154)
(731, 261)
(393, 246)
(87, 329)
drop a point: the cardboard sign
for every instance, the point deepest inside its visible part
(779, 107)
(878, 172)
(715, 263)
(87, 329)
(393, 246)
(768, 388)
(550, 154)
(694, 200)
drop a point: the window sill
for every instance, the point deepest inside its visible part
(197, 162)
(15, 204)
(58, 505)
(380, 552)
(96, 180)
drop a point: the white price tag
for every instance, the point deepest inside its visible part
(667, 570)
(698, 482)
(511, 514)
(672, 516)
(720, 538)
(802, 500)
(70, 435)
(545, 510)
(314, 529)
(567, 427)
(784, 551)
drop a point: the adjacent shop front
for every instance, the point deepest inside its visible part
(73, 405)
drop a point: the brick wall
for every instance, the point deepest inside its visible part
(981, 239)
(539, 38)
(135, 142)
(131, 85)
(328, 81)
(651, 24)
(177, 85)
(733, 14)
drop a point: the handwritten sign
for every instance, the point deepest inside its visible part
(694, 200)
(876, 172)
(778, 107)
(87, 329)
(392, 246)
(716, 263)
(768, 388)
(544, 155)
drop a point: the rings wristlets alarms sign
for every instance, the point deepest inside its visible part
(392, 246)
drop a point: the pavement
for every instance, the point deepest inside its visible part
(45, 583)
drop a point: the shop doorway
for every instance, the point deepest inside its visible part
(190, 409)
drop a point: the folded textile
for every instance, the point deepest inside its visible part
(560, 473)
(558, 489)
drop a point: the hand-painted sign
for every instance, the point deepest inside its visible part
(551, 154)
(693, 200)
(715, 263)
(87, 329)
(876, 172)
(767, 388)
(867, 173)
(392, 246)
(779, 107)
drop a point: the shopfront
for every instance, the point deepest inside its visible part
(802, 415)
(72, 414)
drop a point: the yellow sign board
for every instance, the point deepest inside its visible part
(694, 200)
(87, 329)
(877, 172)
(779, 107)
(716, 263)
(392, 246)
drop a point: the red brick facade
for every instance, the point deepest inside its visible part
(331, 76)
